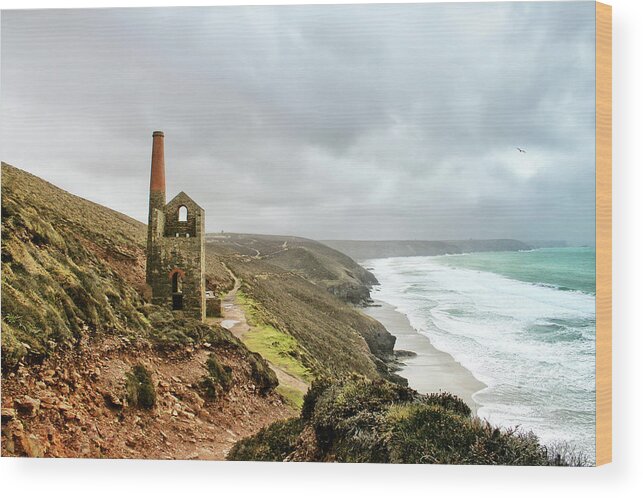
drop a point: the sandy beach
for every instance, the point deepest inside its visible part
(431, 370)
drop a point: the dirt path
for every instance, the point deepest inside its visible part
(234, 319)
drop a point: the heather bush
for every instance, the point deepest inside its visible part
(140, 388)
(217, 379)
(356, 419)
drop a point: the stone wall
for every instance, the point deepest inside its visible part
(178, 247)
(213, 307)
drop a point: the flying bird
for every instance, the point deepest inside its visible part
(521, 150)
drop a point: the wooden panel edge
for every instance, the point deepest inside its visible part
(603, 233)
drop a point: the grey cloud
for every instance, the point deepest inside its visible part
(378, 121)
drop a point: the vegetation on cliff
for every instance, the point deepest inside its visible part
(315, 262)
(356, 419)
(333, 338)
(279, 348)
(73, 282)
(71, 270)
(320, 332)
(89, 366)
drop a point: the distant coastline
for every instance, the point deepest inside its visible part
(361, 250)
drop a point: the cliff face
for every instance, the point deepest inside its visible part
(371, 249)
(306, 290)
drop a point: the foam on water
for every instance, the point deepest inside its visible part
(532, 345)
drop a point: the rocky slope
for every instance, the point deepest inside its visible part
(79, 404)
(76, 326)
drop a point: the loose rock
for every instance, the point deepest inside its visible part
(27, 406)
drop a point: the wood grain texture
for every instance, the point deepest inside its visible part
(603, 234)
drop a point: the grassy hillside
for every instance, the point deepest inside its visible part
(283, 276)
(88, 362)
(317, 263)
(89, 366)
(71, 269)
(359, 420)
(333, 337)
(371, 249)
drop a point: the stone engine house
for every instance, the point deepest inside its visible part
(175, 244)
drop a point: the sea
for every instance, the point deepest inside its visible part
(524, 323)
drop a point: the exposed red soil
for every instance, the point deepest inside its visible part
(75, 405)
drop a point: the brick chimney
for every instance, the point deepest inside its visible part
(157, 178)
(157, 200)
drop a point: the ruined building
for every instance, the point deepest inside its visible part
(175, 244)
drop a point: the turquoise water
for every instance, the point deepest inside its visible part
(522, 322)
(568, 268)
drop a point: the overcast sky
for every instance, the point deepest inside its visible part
(343, 122)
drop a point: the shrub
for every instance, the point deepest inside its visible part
(360, 420)
(433, 434)
(347, 416)
(316, 389)
(140, 388)
(217, 379)
(270, 444)
(354, 396)
(262, 375)
(448, 401)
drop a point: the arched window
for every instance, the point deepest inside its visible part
(176, 283)
(177, 291)
(183, 213)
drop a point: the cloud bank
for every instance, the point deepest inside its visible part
(344, 122)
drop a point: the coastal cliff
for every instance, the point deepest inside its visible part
(293, 283)
(320, 264)
(83, 348)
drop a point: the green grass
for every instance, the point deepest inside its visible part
(279, 348)
(294, 397)
(333, 338)
(249, 306)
